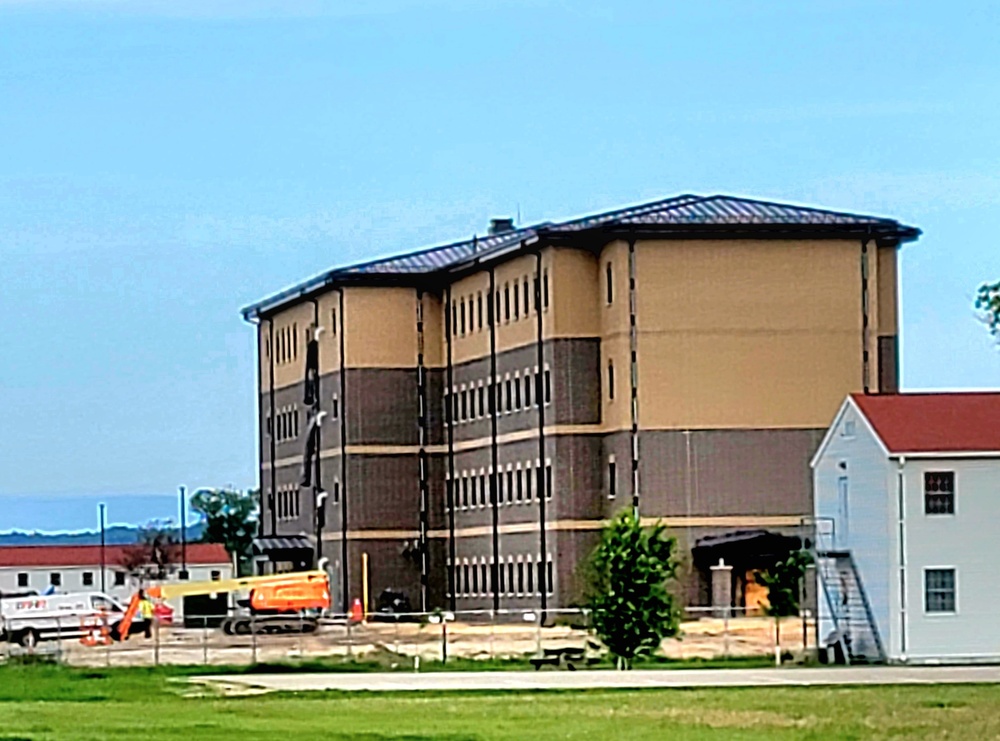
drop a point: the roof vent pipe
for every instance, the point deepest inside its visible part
(499, 226)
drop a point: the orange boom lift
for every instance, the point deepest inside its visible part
(279, 603)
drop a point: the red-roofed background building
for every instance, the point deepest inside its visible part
(77, 568)
(907, 501)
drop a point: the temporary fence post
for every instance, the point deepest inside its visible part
(253, 640)
(725, 634)
(350, 652)
(395, 646)
(493, 627)
(204, 641)
(301, 633)
(156, 642)
(444, 641)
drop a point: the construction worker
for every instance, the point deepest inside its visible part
(147, 613)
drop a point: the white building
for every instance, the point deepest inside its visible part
(907, 505)
(77, 568)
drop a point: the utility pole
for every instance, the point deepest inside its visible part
(103, 563)
(184, 560)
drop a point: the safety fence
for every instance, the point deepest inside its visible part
(395, 641)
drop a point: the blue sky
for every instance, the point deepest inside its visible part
(166, 162)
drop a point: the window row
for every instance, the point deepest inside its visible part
(286, 344)
(518, 484)
(518, 576)
(512, 302)
(514, 393)
(287, 423)
(287, 501)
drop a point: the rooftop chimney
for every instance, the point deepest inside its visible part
(499, 226)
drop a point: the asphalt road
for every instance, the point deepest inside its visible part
(563, 680)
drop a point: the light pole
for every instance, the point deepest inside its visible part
(184, 567)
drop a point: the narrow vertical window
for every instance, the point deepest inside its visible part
(520, 485)
(508, 395)
(530, 568)
(612, 478)
(454, 318)
(549, 581)
(526, 295)
(545, 289)
(611, 380)
(548, 386)
(483, 578)
(479, 309)
(517, 301)
(527, 390)
(548, 481)
(510, 577)
(482, 401)
(333, 321)
(535, 290)
(336, 492)
(475, 577)
(496, 314)
(506, 302)
(447, 407)
(609, 279)
(520, 577)
(517, 393)
(335, 408)
(465, 491)
(461, 315)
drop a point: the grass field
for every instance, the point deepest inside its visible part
(49, 702)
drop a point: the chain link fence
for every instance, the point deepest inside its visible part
(556, 638)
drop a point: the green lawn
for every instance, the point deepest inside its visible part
(44, 702)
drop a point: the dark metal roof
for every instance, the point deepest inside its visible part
(684, 215)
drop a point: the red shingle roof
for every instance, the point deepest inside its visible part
(90, 555)
(966, 422)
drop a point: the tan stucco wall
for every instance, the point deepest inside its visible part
(888, 321)
(381, 327)
(297, 318)
(746, 333)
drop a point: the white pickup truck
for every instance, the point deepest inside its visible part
(30, 618)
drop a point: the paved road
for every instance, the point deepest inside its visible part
(559, 680)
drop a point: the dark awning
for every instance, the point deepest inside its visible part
(745, 545)
(290, 543)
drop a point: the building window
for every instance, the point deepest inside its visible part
(939, 590)
(550, 577)
(529, 567)
(609, 279)
(510, 486)
(548, 386)
(520, 485)
(508, 395)
(545, 289)
(88, 578)
(526, 295)
(611, 381)
(848, 429)
(535, 291)
(333, 321)
(481, 393)
(483, 579)
(548, 480)
(465, 492)
(496, 314)
(55, 579)
(22, 579)
(517, 301)
(462, 320)
(336, 491)
(527, 390)
(939, 492)
(482, 490)
(335, 409)
(612, 478)
(475, 577)
(479, 310)
(216, 575)
(119, 578)
(506, 302)
(510, 577)
(517, 392)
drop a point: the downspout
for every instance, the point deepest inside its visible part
(865, 330)
(274, 423)
(450, 424)
(319, 496)
(901, 507)
(634, 377)
(261, 427)
(543, 572)
(494, 411)
(343, 459)
(422, 442)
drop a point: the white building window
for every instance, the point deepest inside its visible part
(939, 492)
(939, 590)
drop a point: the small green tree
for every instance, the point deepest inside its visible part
(631, 608)
(784, 586)
(231, 519)
(988, 302)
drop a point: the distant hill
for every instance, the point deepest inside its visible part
(115, 535)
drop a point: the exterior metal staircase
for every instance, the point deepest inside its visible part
(854, 624)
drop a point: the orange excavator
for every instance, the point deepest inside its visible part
(278, 603)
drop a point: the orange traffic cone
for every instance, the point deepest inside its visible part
(357, 614)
